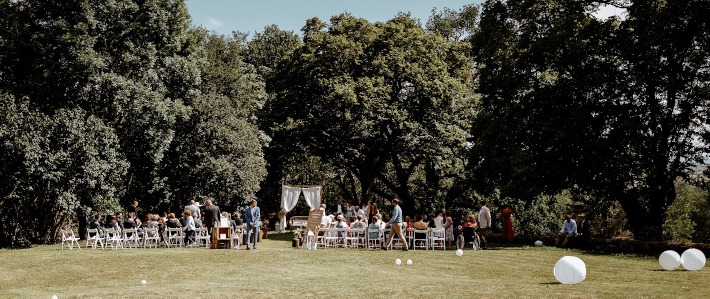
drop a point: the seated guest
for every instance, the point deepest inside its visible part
(129, 223)
(113, 223)
(358, 223)
(172, 221)
(198, 221)
(238, 222)
(151, 221)
(419, 224)
(96, 224)
(470, 221)
(119, 219)
(341, 224)
(374, 225)
(408, 222)
(583, 229)
(569, 230)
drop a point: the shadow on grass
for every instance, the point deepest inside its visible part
(287, 236)
(550, 283)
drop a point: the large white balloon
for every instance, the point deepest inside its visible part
(570, 270)
(459, 252)
(397, 261)
(693, 259)
(538, 243)
(669, 260)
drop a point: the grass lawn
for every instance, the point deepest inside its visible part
(277, 270)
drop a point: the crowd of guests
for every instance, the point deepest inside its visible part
(194, 216)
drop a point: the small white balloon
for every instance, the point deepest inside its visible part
(459, 252)
(54, 297)
(693, 259)
(143, 281)
(538, 243)
(409, 262)
(570, 270)
(669, 260)
(397, 261)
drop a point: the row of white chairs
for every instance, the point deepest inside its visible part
(149, 238)
(364, 238)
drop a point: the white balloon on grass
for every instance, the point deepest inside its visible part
(409, 262)
(143, 282)
(693, 259)
(538, 243)
(669, 260)
(459, 252)
(397, 261)
(570, 270)
(54, 297)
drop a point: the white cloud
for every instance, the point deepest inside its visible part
(606, 11)
(213, 23)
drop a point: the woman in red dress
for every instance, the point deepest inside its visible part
(507, 223)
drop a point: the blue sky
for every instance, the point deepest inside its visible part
(225, 16)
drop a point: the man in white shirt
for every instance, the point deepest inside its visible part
(569, 230)
(484, 223)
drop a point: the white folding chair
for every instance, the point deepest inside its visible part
(237, 237)
(175, 236)
(354, 237)
(113, 238)
(151, 237)
(202, 237)
(437, 238)
(131, 238)
(420, 239)
(70, 239)
(374, 238)
(94, 238)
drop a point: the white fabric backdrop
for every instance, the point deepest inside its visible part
(289, 198)
(312, 196)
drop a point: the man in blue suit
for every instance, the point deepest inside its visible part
(251, 217)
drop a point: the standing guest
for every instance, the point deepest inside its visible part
(212, 216)
(569, 230)
(373, 210)
(194, 208)
(251, 217)
(360, 211)
(507, 214)
(132, 209)
(396, 225)
(439, 220)
(338, 208)
(484, 223)
(189, 227)
(449, 230)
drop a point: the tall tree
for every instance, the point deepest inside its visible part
(363, 96)
(118, 71)
(606, 107)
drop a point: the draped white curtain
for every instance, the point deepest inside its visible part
(289, 198)
(312, 196)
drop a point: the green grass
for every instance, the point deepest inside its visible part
(277, 270)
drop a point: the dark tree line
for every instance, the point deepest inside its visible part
(536, 103)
